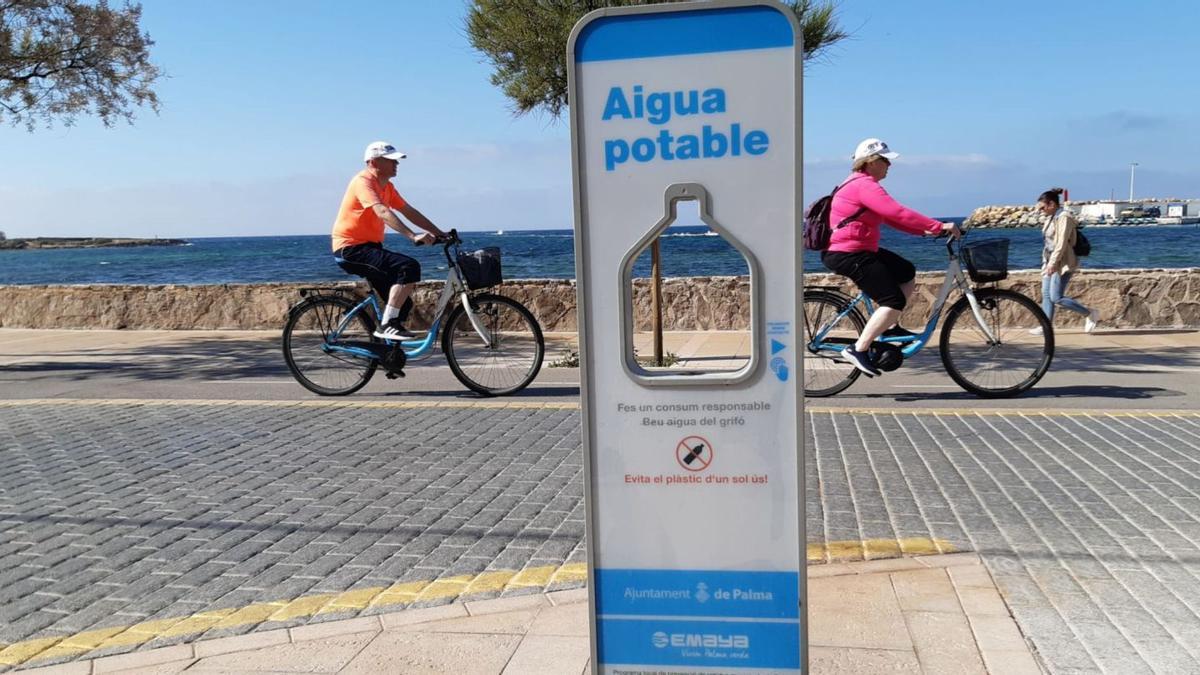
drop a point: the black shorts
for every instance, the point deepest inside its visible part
(879, 274)
(380, 267)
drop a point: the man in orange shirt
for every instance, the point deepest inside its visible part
(358, 237)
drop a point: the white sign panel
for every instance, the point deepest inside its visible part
(694, 482)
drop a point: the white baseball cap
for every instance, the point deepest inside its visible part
(382, 149)
(873, 146)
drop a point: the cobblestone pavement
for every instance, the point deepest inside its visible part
(1089, 523)
(130, 525)
(112, 515)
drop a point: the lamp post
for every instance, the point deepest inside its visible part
(1131, 166)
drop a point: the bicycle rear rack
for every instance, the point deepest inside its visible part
(326, 290)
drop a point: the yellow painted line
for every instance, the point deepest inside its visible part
(446, 587)
(876, 549)
(568, 405)
(391, 405)
(533, 577)
(461, 587)
(399, 594)
(1007, 412)
(301, 607)
(20, 652)
(351, 600)
(489, 582)
(250, 614)
(571, 572)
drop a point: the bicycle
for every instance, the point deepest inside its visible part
(989, 344)
(493, 344)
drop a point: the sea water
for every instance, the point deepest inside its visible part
(534, 254)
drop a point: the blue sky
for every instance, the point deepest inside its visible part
(268, 106)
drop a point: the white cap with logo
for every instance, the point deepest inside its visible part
(382, 149)
(873, 146)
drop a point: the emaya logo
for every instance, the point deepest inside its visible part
(662, 640)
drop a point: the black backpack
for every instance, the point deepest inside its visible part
(816, 221)
(1082, 246)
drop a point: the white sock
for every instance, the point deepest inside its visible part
(390, 313)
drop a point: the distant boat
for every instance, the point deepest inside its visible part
(499, 231)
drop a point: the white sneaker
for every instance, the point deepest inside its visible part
(1089, 324)
(395, 331)
(1035, 331)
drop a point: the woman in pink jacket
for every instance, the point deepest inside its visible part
(859, 207)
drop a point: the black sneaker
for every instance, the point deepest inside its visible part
(859, 360)
(897, 331)
(394, 330)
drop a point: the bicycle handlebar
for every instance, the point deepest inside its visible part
(962, 233)
(451, 239)
(962, 230)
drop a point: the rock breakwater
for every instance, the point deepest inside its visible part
(1004, 216)
(83, 242)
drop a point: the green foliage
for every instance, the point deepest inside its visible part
(571, 360)
(669, 359)
(63, 58)
(526, 42)
(567, 360)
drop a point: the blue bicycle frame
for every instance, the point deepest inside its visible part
(912, 344)
(955, 278)
(415, 349)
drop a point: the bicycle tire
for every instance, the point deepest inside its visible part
(1015, 363)
(304, 336)
(819, 364)
(513, 359)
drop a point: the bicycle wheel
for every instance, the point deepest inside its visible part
(513, 358)
(1011, 363)
(825, 374)
(306, 341)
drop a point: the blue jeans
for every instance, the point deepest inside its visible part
(1053, 288)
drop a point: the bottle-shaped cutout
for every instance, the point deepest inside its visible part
(709, 334)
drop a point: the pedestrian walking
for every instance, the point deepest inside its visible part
(1059, 262)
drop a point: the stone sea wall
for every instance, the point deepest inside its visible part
(1125, 298)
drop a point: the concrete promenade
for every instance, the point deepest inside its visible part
(146, 527)
(1148, 369)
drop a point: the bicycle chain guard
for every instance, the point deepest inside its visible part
(886, 356)
(393, 359)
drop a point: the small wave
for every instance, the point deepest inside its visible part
(692, 234)
(104, 262)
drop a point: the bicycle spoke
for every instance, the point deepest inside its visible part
(1010, 361)
(306, 343)
(823, 374)
(509, 362)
